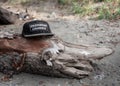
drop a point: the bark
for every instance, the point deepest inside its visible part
(7, 17)
(48, 56)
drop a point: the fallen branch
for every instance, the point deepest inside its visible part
(7, 17)
(48, 56)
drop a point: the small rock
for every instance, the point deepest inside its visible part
(53, 15)
(113, 84)
(99, 77)
(101, 42)
(58, 85)
(41, 82)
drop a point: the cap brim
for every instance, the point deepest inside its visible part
(41, 34)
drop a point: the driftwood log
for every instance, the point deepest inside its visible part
(48, 56)
(7, 17)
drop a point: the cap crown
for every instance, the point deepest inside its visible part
(36, 28)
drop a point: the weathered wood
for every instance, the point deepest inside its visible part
(50, 57)
(7, 17)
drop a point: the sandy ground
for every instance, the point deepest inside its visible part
(78, 31)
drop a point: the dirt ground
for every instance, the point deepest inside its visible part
(78, 31)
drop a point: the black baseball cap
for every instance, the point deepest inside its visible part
(36, 28)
